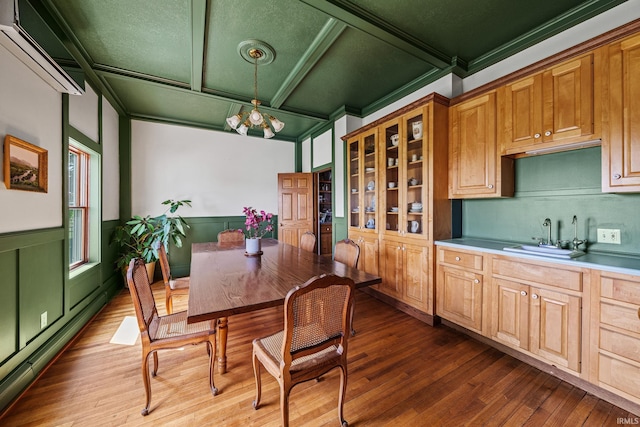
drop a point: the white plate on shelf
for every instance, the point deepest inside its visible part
(371, 186)
(369, 169)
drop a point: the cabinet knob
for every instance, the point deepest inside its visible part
(547, 133)
(617, 176)
(457, 258)
(476, 281)
(534, 296)
(537, 135)
(490, 186)
(523, 293)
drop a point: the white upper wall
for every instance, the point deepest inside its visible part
(322, 149)
(110, 163)
(30, 110)
(83, 113)
(220, 172)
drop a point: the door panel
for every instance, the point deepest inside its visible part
(295, 206)
(510, 320)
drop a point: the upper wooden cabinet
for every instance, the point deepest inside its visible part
(406, 174)
(549, 109)
(621, 134)
(476, 168)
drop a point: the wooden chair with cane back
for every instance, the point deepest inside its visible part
(164, 332)
(313, 342)
(231, 236)
(308, 241)
(178, 286)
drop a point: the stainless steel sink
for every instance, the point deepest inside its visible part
(545, 251)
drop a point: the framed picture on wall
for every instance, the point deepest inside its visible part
(25, 165)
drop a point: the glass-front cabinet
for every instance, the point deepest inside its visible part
(363, 177)
(406, 175)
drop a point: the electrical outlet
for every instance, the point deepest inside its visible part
(43, 320)
(609, 235)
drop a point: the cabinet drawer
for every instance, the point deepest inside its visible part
(619, 289)
(619, 374)
(325, 229)
(537, 273)
(620, 344)
(460, 259)
(620, 316)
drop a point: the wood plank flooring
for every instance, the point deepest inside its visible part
(402, 372)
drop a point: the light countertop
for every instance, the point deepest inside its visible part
(599, 261)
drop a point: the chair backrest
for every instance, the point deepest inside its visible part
(347, 252)
(308, 241)
(140, 288)
(317, 316)
(164, 264)
(231, 236)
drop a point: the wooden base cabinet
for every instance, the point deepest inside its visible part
(368, 259)
(405, 274)
(460, 288)
(537, 307)
(616, 334)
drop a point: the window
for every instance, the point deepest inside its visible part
(78, 207)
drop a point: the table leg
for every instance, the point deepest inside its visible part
(222, 345)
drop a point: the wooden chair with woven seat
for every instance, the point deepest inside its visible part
(231, 236)
(308, 241)
(313, 342)
(179, 286)
(164, 332)
(347, 252)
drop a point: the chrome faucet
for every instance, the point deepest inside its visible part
(547, 223)
(576, 242)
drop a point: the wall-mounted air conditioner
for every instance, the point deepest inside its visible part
(16, 40)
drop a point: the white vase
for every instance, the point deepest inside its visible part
(253, 246)
(417, 130)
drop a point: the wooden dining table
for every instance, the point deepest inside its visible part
(225, 281)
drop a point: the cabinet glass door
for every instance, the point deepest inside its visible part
(354, 182)
(414, 163)
(370, 173)
(391, 217)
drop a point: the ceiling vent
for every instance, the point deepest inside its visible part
(17, 41)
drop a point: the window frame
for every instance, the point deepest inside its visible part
(81, 202)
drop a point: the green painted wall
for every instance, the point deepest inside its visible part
(557, 186)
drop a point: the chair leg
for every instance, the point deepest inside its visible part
(284, 404)
(256, 373)
(146, 381)
(343, 391)
(211, 349)
(353, 310)
(155, 363)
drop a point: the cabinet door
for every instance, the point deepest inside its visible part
(391, 268)
(460, 297)
(392, 151)
(415, 163)
(362, 168)
(621, 150)
(474, 167)
(416, 277)
(568, 88)
(510, 313)
(555, 327)
(368, 260)
(523, 112)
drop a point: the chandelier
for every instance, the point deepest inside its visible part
(255, 119)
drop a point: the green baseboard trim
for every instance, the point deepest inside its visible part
(14, 384)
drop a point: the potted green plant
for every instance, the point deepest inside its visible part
(139, 237)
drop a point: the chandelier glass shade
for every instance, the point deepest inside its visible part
(241, 122)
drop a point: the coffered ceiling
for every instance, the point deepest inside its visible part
(177, 61)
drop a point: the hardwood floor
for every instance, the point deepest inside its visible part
(402, 372)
